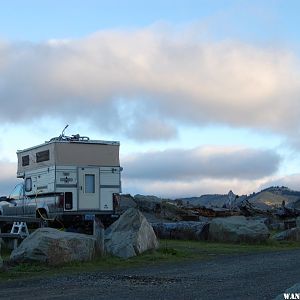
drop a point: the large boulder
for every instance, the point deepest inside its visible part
(292, 234)
(184, 230)
(130, 235)
(295, 289)
(54, 247)
(238, 229)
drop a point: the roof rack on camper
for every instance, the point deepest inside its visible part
(73, 137)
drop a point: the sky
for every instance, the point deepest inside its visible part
(202, 95)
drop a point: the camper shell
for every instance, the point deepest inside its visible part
(71, 176)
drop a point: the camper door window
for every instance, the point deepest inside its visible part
(89, 183)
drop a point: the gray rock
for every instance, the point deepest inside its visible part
(275, 223)
(126, 202)
(148, 203)
(298, 221)
(238, 229)
(54, 247)
(276, 226)
(182, 230)
(130, 235)
(292, 234)
(170, 211)
(292, 291)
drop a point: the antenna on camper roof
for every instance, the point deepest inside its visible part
(63, 132)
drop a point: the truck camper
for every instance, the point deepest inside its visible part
(67, 178)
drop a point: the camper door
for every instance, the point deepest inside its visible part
(89, 197)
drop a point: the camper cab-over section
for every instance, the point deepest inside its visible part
(71, 176)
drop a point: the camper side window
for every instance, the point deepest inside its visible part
(42, 156)
(25, 160)
(28, 184)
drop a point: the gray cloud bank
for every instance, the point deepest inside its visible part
(144, 82)
(199, 163)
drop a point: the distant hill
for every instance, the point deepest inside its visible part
(266, 198)
(274, 197)
(211, 200)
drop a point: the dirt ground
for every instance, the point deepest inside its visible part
(248, 276)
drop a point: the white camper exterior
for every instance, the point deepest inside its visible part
(71, 176)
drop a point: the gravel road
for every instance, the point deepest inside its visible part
(250, 276)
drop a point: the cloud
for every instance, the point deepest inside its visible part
(7, 169)
(202, 162)
(145, 129)
(291, 181)
(191, 172)
(117, 78)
